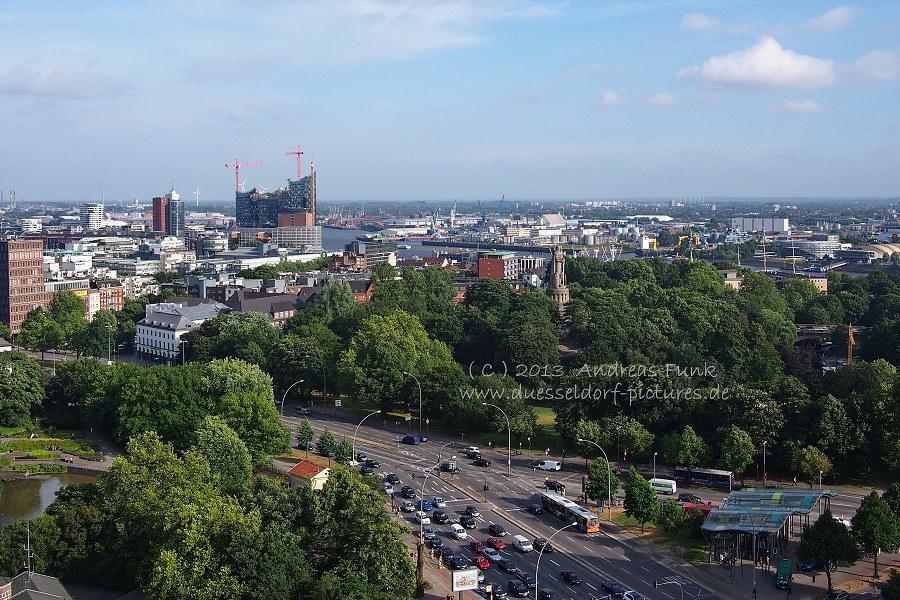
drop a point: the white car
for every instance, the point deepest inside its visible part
(438, 502)
(422, 517)
(407, 506)
(491, 554)
(458, 531)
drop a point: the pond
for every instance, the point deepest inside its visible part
(29, 497)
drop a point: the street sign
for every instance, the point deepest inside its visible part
(337, 402)
(408, 418)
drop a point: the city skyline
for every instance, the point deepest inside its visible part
(399, 100)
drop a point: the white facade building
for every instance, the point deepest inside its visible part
(91, 215)
(158, 335)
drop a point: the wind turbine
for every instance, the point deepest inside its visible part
(198, 194)
(242, 185)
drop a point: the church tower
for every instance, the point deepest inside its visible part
(557, 289)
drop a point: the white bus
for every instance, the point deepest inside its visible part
(664, 486)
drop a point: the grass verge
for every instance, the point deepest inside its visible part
(671, 541)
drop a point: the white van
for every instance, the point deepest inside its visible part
(521, 543)
(664, 486)
(549, 465)
(458, 532)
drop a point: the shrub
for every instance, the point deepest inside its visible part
(672, 517)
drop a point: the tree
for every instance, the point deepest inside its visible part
(40, 332)
(21, 387)
(305, 434)
(892, 497)
(811, 463)
(672, 516)
(100, 335)
(687, 449)
(226, 453)
(891, 589)
(592, 431)
(827, 541)
(876, 527)
(641, 502)
(336, 298)
(601, 482)
(68, 311)
(327, 445)
(737, 451)
(5, 333)
(343, 452)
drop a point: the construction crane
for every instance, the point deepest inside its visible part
(850, 343)
(237, 171)
(299, 153)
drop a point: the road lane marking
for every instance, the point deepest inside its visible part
(646, 569)
(554, 562)
(590, 586)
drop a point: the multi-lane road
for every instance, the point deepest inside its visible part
(595, 557)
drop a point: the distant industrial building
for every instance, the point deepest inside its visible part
(761, 224)
(91, 214)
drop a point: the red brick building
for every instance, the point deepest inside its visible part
(296, 218)
(498, 265)
(21, 280)
(161, 213)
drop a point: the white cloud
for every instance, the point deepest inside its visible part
(34, 79)
(699, 22)
(799, 107)
(834, 19)
(766, 64)
(610, 98)
(881, 65)
(663, 99)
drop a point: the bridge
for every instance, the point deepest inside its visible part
(811, 331)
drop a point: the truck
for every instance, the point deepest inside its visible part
(785, 574)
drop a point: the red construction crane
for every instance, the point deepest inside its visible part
(237, 171)
(299, 154)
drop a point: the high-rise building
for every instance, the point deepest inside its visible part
(175, 220)
(91, 215)
(261, 209)
(21, 280)
(161, 213)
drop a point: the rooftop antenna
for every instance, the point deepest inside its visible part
(198, 194)
(173, 182)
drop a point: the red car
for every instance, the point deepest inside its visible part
(477, 546)
(481, 562)
(496, 543)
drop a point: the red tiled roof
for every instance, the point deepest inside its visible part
(306, 470)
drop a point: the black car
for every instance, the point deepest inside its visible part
(481, 462)
(361, 457)
(437, 542)
(407, 492)
(366, 470)
(686, 497)
(448, 468)
(570, 577)
(458, 562)
(526, 578)
(446, 553)
(373, 463)
(440, 516)
(472, 511)
(392, 478)
(614, 588)
(535, 509)
(548, 594)
(540, 543)
(507, 565)
(471, 453)
(496, 529)
(468, 522)
(517, 589)
(554, 485)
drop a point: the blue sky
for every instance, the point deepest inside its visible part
(444, 99)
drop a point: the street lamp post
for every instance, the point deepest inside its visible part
(654, 465)
(420, 397)
(285, 396)
(420, 562)
(820, 479)
(353, 443)
(608, 474)
(764, 464)
(508, 439)
(657, 583)
(537, 567)
(753, 532)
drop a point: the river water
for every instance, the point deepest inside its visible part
(29, 497)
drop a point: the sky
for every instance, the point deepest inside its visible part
(444, 99)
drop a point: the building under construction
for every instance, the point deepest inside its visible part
(293, 205)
